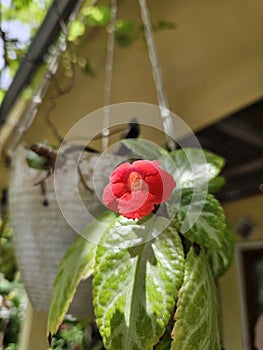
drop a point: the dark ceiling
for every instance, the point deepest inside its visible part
(239, 139)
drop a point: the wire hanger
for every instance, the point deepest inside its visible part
(108, 76)
(157, 75)
(165, 113)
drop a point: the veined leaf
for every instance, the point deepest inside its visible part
(135, 288)
(201, 219)
(220, 260)
(145, 149)
(195, 167)
(197, 321)
(76, 265)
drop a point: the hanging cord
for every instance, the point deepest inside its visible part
(157, 75)
(108, 76)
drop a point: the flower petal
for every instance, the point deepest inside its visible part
(135, 188)
(109, 199)
(136, 205)
(146, 167)
(155, 186)
(119, 189)
(121, 173)
(168, 184)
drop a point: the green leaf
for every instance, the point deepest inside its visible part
(197, 321)
(35, 161)
(124, 26)
(135, 288)
(124, 30)
(220, 260)
(97, 15)
(2, 94)
(145, 149)
(19, 4)
(195, 167)
(215, 184)
(76, 265)
(201, 219)
(76, 29)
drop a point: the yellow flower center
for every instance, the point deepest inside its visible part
(135, 181)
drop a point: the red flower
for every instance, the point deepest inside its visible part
(135, 188)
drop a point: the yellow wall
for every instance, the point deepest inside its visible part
(251, 208)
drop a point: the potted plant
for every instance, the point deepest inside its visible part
(163, 243)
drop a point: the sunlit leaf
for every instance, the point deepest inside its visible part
(197, 321)
(220, 260)
(195, 167)
(2, 93)
(135, 288)
(76, 29)
(19, 4)
(34, 7)
(76, 265)
(97, 15)
(201, 219)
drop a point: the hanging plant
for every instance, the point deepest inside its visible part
(163, 244)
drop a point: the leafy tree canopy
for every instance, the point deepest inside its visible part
(20, 21)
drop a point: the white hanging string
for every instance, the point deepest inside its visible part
(157, 75)
(108, 76)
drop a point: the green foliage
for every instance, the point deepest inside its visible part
(31, 13)
(124, 32)
(195, 167)
(97, 15)
(19, 4)
(135, 288)
(145, 270)
(2, 93)
(11, 308)
(28, 14)
(68, 336)
(77, 264)
(221, 259)
(35, 161)
(197, 321)
(76, 29)
(76, 334)
(208, 227)
(7, 258)
(215, 184)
